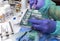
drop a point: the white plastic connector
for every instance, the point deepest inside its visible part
(23, 4)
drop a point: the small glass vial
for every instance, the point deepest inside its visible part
(18, 6)
(2, 18)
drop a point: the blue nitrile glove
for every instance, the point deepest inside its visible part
(45, 25)
(43, 37)
(42, 6)
(37, 4)
(31, 35)
(53, 39)
(25, 29)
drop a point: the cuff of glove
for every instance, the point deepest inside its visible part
(57, 31)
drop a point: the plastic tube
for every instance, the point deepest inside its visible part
(23, 4)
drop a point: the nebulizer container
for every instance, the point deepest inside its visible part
(30, 14)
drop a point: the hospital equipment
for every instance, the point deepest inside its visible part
(2, 18)
(44, 25)
(0, 31)
(18, 7)
(24, 4)
(5, 11)
(11, 28)
(28, 15)
(6, 31)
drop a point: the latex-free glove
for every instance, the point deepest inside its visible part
(31, 3)
(45, 26)
(36, 4)
(53, 39)
(43, 37)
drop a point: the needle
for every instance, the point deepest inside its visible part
(0, 31)
(7, 35)
(11, 27)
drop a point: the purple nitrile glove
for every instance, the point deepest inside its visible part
(31, 3)
(36, 4)
(45, 26)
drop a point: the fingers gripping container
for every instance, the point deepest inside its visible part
(29, 14)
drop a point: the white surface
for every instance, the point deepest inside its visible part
(14, 23)
(19, 17)
(8, 40)
(5, 26)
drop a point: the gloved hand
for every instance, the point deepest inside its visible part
(45, 26)
(31, 2)
(43, 37)
(53, 39)
(36, 4)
